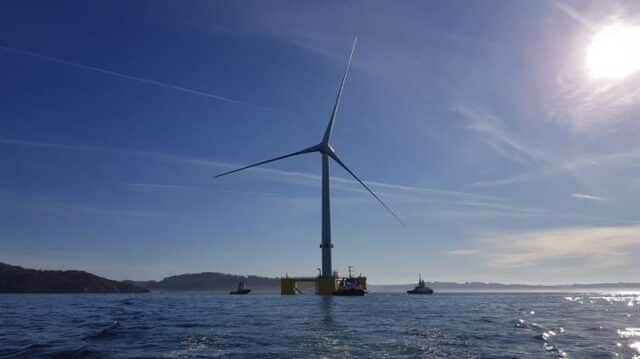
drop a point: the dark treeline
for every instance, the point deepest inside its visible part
(14, 279)
(210, 281)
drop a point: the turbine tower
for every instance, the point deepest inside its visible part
(326, 151)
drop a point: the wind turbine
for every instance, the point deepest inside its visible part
(325, 149)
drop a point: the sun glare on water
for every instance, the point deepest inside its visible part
(614, 52)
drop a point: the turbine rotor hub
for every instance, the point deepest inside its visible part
(325, 148)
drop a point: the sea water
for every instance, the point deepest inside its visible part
(206, 325)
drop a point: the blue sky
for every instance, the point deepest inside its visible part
(478, 122)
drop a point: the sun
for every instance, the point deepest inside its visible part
(614, 52)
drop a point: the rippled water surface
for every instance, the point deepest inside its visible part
(202, 325)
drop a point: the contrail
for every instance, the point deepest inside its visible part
(123, 76)
(574, 14)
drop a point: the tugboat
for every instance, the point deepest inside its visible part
(350, 287)
(421, 288)
(241, 289)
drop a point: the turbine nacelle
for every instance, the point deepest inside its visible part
(325, 148)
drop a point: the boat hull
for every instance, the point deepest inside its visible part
(242, 291)
(350, 293)
(420, 292)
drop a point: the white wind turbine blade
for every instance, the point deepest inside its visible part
(337, 159)
(306, 150)
(329, 130)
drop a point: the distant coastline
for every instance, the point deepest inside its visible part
(15, 279)
(500, 287)
(210, 281)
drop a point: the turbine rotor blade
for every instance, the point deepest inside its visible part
(329, 130)
(335, 157)
(306, 150)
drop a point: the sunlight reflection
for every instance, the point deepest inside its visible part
(629, 332)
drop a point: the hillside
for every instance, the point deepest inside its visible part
(14, 279)
(210, 281)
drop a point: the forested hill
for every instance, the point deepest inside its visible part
(210, 281)
(14, 279)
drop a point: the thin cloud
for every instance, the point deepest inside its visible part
(587, 196)
(8, 141)
(574, 14)
(496, 136)
(494, 133)
(282, 175)
(70, 208)
(124, 76)
(158, 187)
(589, 106)
(594, 246)
(572, 166)
(464, 252)
(459, 204)
(505, 181)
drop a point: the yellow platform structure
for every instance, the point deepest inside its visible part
(323, 285)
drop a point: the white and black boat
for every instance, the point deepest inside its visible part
(241, 289)
(350, 287)
(421, 288)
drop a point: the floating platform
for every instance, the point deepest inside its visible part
(323, 285)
